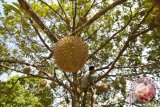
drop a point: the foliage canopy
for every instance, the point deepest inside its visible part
(123, 39)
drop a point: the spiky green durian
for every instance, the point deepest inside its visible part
(70, 53)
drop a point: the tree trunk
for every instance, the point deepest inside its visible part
(75, 102)
(75, 96)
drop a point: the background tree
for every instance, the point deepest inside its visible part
(122, 35)
(24, 91)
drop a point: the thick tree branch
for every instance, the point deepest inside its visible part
(98, 15)
(120, 67)
(130, 39)
(28, 9)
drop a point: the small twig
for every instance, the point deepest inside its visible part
(102, 68)
(92, 34)
(65, 20)
(61, 83)
(16, 82)
(18, 62)
(74, 16)
(40, 36)
(134, 74)
(90, 8)
(119, 67)
(108, 40)
(49, 56)
(52, 9)
(62, 9)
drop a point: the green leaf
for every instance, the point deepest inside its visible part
(10, 7)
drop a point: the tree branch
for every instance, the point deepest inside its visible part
(40, 37)
(120, 53)
(18, 62)
(90, 8)
(108, 40)
(37, 76)
(74, 16)
(28, 9)
(130, 39)
(92, 34)
(61, 83)
(98, 15)
(134, 74)
(120, 67)
(65, 20)
(62, 9)
(16, 82)
(67, 78)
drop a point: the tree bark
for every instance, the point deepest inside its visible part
(75, 97)
(75, 101)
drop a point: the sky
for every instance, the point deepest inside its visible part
(4, 76)
(8, 1)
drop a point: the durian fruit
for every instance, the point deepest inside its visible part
(26, 70)
(102, 88)
(43, 83)
(70, 53)
(53, 85)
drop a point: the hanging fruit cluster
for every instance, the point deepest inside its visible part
(70, 53)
